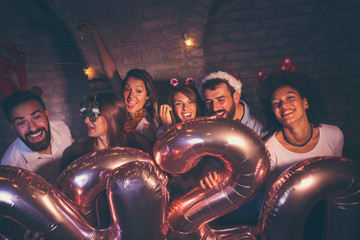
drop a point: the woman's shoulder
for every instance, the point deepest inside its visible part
(330, 130)
(271, 140)
(275, 148)
(78, 148)
(331, 135)
(74, 151)
(144, 124)
(329, 127)
(144, 121)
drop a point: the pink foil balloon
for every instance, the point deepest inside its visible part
(85, 178)
(131, 179)
(138, 199)
(246, 165)
(287, 204)
(28, 199)
(299, 188)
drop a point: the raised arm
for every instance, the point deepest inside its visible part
(107, 61)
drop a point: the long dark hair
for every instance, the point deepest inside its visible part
(305, 85)
(191, 93)
(113, 109)
(151, 92)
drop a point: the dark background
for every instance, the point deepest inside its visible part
(320, 36)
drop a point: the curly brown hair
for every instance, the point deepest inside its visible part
(305, 85)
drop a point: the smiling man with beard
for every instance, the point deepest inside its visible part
(40, 143)
(221, 92)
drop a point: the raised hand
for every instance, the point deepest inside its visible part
(165, 116)
(86, 26)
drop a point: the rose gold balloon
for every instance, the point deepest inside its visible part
(85, 178)
(138, 201)
(299, 188)
(28, 199)
(132, 180)
(246, 165)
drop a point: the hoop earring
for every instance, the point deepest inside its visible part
(147, 103)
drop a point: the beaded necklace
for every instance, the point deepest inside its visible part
(295, 144)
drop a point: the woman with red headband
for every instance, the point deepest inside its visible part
(183, 103)
(293, 110)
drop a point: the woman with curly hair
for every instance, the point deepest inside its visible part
(293, 110)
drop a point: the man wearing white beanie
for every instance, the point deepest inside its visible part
(221, 92)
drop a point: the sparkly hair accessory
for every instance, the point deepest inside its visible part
(232, 80)
(188, 82)
(84, 103)
(285, 66)
(261, 75)
(94, 105)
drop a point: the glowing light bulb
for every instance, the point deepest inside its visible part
(89, 72)
(187, 40)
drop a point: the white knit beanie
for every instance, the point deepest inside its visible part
(233, 82)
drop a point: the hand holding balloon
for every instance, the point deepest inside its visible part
(210, 180)
(245, 162)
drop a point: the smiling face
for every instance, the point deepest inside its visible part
(30, 122)
(288, 106)
(219, 101)
(185, 108)
(134, 94)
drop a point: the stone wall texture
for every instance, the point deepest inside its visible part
(238, 36)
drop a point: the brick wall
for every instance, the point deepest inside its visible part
(54, 61)
(321, 37)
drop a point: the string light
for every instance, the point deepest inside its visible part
(182, 35)
(89, 72)
(187, 40)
